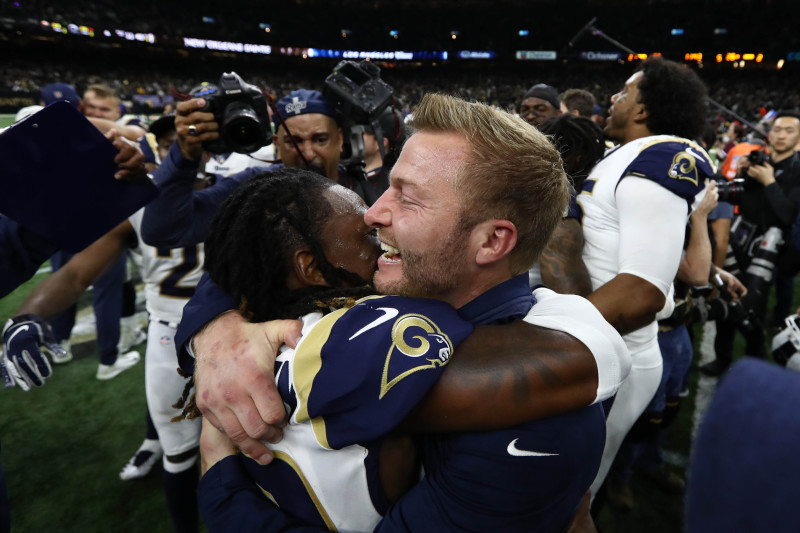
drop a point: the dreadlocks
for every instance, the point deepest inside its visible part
(580, 142)
(250, 250)
(252, 240)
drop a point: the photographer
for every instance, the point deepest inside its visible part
(768, 205)
(308, 136)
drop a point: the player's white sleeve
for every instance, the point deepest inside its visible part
(576, 316)
(652, 223)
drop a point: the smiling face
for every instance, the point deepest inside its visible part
(318, 139)
(97, 106)
(417, 220)
(349, 243)
(624, 107)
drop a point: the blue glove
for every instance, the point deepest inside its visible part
(27, 339)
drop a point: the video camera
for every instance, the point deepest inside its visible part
(360, 96)
(240, 109)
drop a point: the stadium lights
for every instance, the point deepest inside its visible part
(454, 34)
(394, 33)
(266, 27)
(780, 64)
(346, 33)
(209, 20)
(676, 31)
(523, 33)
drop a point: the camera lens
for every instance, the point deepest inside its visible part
(241, 129)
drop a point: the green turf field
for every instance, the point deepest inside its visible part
(64, 444)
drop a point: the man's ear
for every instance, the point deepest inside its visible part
(494, 240)
(641, 114)
(341, 139)
(306, 270)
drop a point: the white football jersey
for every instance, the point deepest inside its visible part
(680, 167)
(170, 275)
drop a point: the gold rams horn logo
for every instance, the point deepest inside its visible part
(415, 336)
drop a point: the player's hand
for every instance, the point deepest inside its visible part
(708, 203)
(194, 128)
(214, 446)
(129, 160)
(235, 379)
(27, 338)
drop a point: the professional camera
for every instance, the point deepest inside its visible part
(360, 96)
(357, 91)
(722, 308)
(240, 109)
(730, 190)
(758, 157)
(786, 344)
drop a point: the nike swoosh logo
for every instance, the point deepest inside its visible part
(516, 452)
(19, 330)
(694, 154)
(389, 314)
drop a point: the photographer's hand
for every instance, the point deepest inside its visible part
(763, 174)
(194, 128)
(735, 287)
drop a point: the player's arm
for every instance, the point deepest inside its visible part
(130, 132)
(506, 375)
(652, 223)
(562, 266)
(26, 337)
(228, 498)
(696, 263)
(61, 289)
(180, 216)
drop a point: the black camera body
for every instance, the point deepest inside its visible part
(758, 157)
(240, 109)
(357, 91)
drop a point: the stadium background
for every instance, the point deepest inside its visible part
(64, 444)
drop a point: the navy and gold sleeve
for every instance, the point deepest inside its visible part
(360, 371)
(676, 164)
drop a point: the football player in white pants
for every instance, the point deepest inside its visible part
(636, 202)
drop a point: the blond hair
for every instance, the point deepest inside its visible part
(513, 172)
(101, 90)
